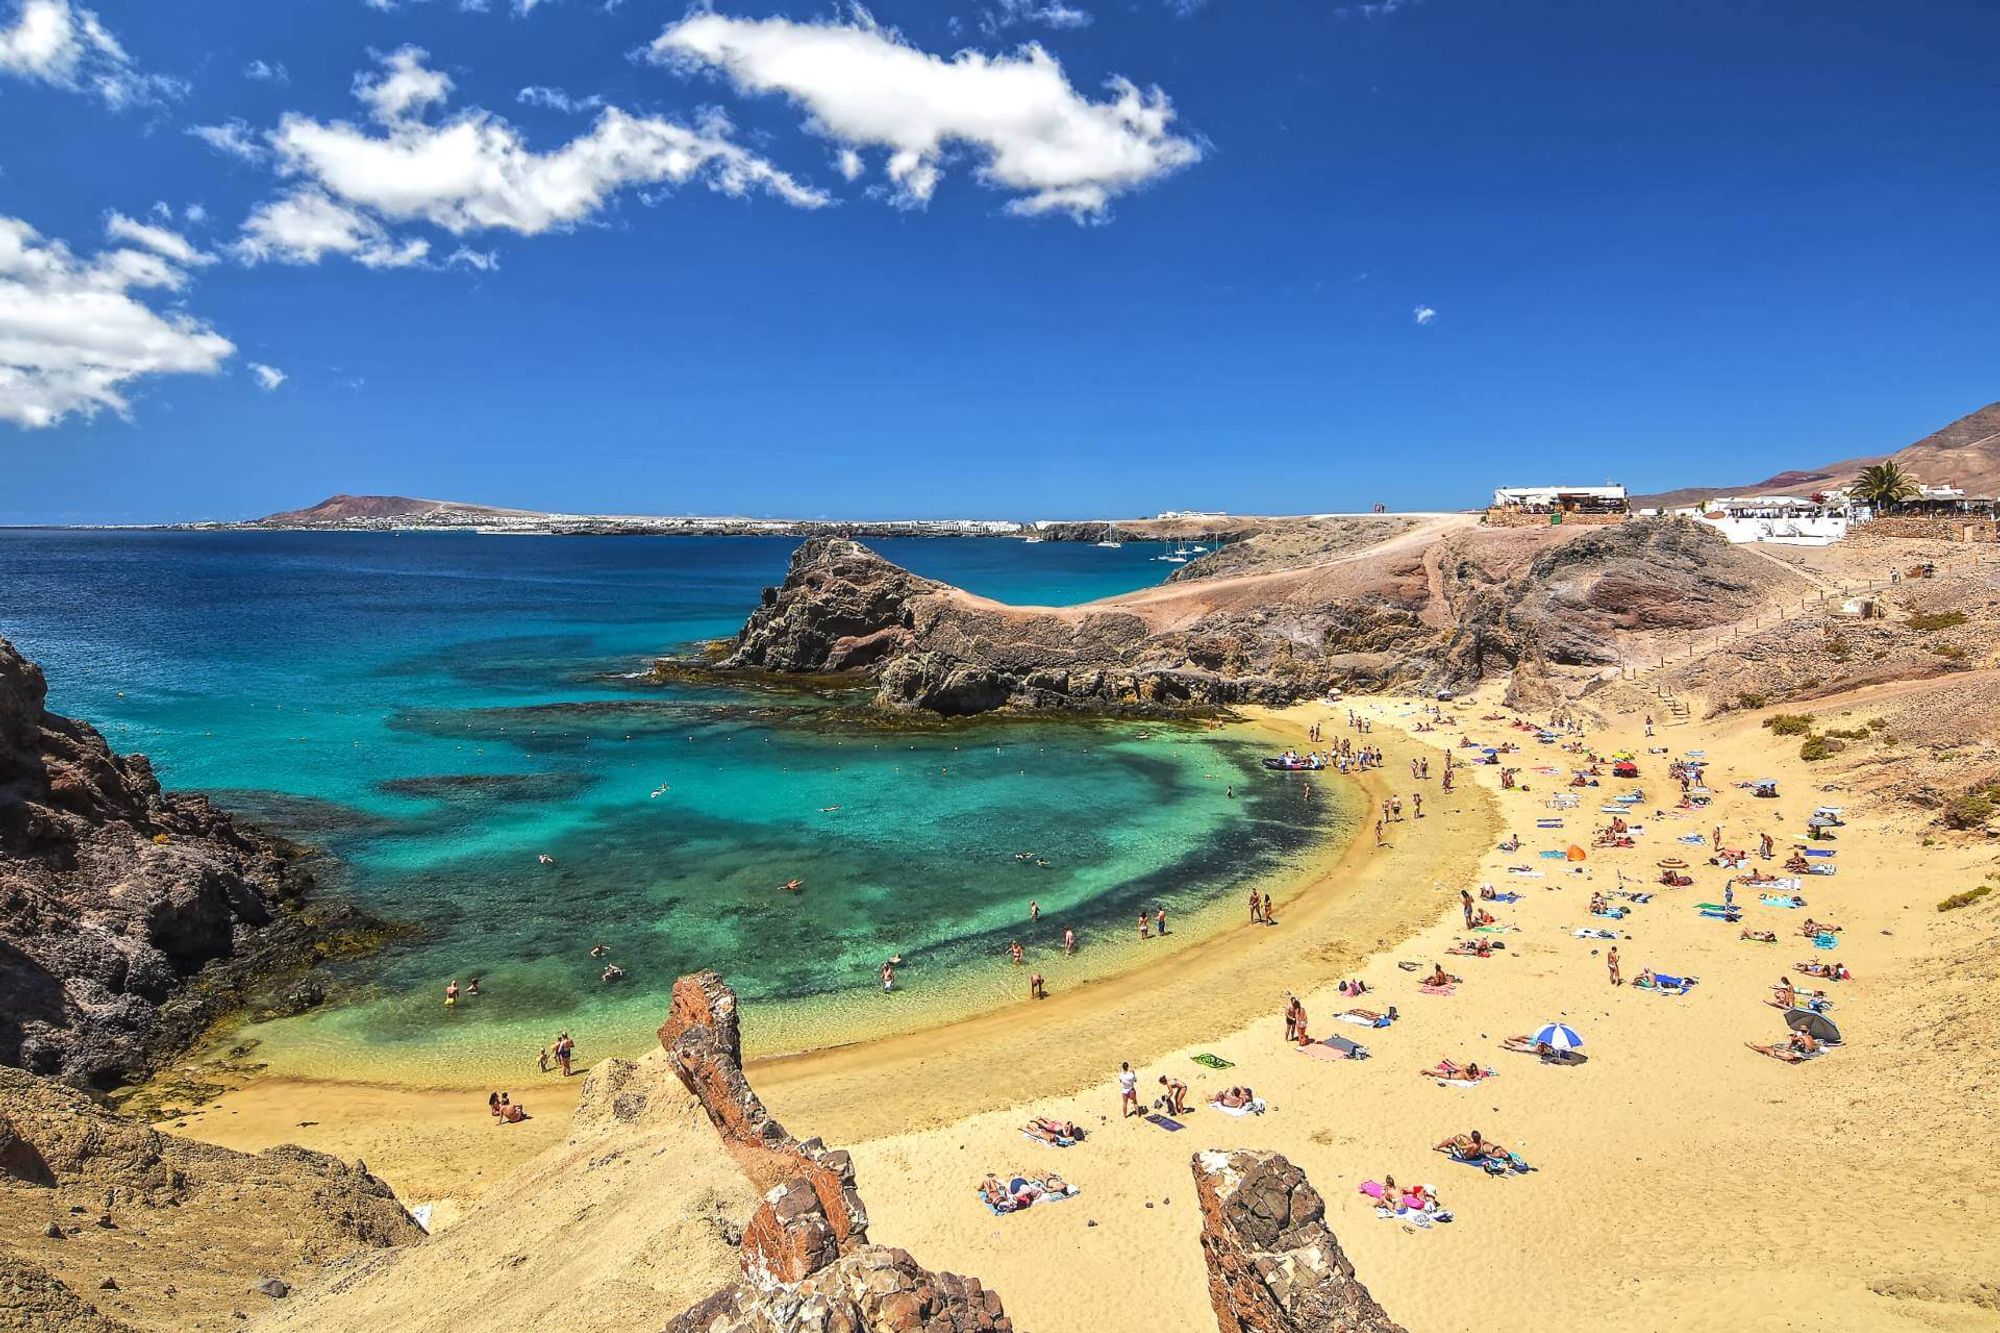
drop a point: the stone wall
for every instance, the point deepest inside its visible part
(1936, 528)
(1497, 517)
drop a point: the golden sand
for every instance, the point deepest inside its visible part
(1682, 1181)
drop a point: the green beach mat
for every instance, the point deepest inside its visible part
(1208, 1061)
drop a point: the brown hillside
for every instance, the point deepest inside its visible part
(351, 508)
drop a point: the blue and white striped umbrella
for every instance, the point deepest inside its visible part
(1558, 1037)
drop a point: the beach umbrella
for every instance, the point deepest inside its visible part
(1817, 1026)
(1560, 1037)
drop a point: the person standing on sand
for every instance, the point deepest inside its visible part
(564, 1048)
(1764, 846)
(1267, 911)
(1465, 902)
(1649, 724)
(1256, 918)
(1128, 1091)
(1291, 1018)
(1378, 831)
(1037, 988)
(1716, 837)
(1417, 801)
(1611, 966)
(1069, 941)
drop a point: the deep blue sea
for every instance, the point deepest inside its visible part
(437, 712)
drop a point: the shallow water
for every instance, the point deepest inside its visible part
(440, 711)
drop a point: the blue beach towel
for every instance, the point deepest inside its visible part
(1167, 1123)
(1825, 940)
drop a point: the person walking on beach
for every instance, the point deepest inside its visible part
(1417, 802)
(1267, 911)
(1378, 831)
(1611, 966)
(1128, 1091)
(1069, 941)
(1465, 902)
(1764, 846)
(1716, 837)
(1037, 988)
(1649, 724)
(1256, 917)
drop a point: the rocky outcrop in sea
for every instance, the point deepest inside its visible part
(130, 918)
(1295, 614)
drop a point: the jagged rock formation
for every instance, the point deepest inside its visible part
(183, 1230)
(115, 896)
(807, 1265)
(1288, 616)
(1273, 1266)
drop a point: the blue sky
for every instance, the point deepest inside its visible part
(1170, 257)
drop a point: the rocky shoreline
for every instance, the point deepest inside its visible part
(132, 920)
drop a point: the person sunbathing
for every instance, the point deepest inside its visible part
(1060, 1133)
(1779, 1050)
(1472, 1148)
(1798, 865)
(1760, 936)
(1452, 1071)
(1439, 978)
(1812, 927)
(1235, 1098)
(995, 1194)
(1783, 994)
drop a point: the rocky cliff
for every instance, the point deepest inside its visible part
(1282, 616)
(807, 1266)
(1273, 1265)
(160, 1232)
(129, 918)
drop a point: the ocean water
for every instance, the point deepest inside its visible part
(438, 712)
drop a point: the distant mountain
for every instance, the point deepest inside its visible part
(1965, 454)
(348, 509)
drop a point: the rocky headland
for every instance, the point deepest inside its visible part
(131, 919)
(1282, 615)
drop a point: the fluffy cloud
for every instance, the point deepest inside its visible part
(555, 99)
(863, 86)
(268, 377)
(232, 138)
(305, 226)
(73, 334)
(1047, 13)
(469, 172)
(53, 42)
(162, 241)
(1423, 314)
(267, 72)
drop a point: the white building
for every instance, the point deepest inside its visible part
(1561, 499)
(1786, 520)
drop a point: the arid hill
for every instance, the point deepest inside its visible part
(339, 510)
(160, 1232)
(1965, 454)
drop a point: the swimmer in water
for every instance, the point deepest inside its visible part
(1069, 940)
(792, 885)
(1015, 951)
(888, 978)
(451, 993)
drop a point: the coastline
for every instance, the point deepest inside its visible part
(1334, 905)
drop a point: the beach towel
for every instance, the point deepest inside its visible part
(1207, 1061)
(1314, 1050)
(1548, 823)
(1060, 1142)
(1820, 851)
(1612, 913)
(1437, 990)
(1552, 856)
(1825, 940)
(1692, 839)
(1526, 873)
(1594, 933)
(1774, 900)
(1167, 1123)
(1509, 897)
(1730, 914)
(1359, 1021)
(421, 1215)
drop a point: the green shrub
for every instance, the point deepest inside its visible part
(1848, 733)
(1751, 699)
(1969, 810)
(1936, 620)
(1820, 747)
(1790, 724)
(1877, 723)
(1963, 899)
(1952, 652)
(1839, 649)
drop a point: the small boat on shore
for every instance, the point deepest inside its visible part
(1292, 763)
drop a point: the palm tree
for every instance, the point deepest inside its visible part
(1881, 485)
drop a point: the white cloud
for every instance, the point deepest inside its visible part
(53, 42)
(1423, 314)
(863, 86)
(73, 335)
(195, 213)
(555, 99)
(232, 138)
(849, 164)
(305, 226)
(1375, 9)
(162, 241)
(472, 172)
(1047, 13)
(405, 85)
(267, 72)
(467, 257)
(268, 377)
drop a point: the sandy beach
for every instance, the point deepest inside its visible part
(1681, 1180)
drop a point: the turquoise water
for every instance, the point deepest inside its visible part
(438, 712)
